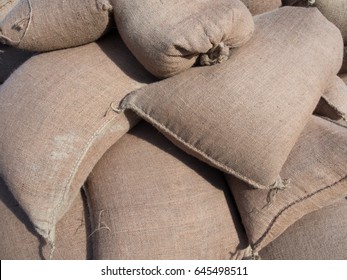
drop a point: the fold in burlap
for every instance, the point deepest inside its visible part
(317, 167)
(150, 200)
(38, 25)
(333, 103)
(320, 235)
(56, 121)
(19, 241)
(167, 37)
(245, 115)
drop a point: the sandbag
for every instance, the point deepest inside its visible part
(244, 116)
(320, 235)
(150, 200)
(167, 37)
(261, 6)
(335, 11)
(57, 119)
(318, 177)
(20, 241)
(44, 25)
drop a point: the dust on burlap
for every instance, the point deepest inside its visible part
(317, 168)
(38, 25)
(168, 37)
(245, 115)
(150, 200)
(56, 121)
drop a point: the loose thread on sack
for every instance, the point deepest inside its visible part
(115, 108)
(251, 254)
(101, 225)
(104, 5)
(19, 26)
(280, 185)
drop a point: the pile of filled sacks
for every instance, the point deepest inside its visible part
(183, 129)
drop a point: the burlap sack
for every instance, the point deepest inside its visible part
(333, 103)
(333, 10)
(320, 235)
(167, 37)
(318, 173)
(150, 200)
(56, 122)
(43, 25)
(245, 115)
(10, 60)
(19, 241)
(261, 6)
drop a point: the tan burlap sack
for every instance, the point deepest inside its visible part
(10, 59)
(150, 200)
(56, 122)
(19, 241)
(43, 25)
(317, 167)
(320, 235)
(167, 37)
(333, 10)
(245, 115)
(333, 103)
(261, 6)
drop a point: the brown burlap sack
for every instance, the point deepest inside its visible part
(261, 6)
(335, 11)
(245, 115)
(333, 103)
(38, 25)
(19, 241)
(167, 37)
(56, 122)
(10, 60)
(317, 168)
(150, 200)
(320, 235)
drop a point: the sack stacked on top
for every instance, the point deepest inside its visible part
(168, 37)
(44, 25)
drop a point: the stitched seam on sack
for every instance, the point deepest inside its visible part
(273, 221)
(215, 162)
(75, 168)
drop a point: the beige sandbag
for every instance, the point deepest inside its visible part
(150, 200)
(20, 241)
(44, 25)
(333, 10)
(344, 63)
(333, 103)
(56, 121)
(320, 235)
(261, 6)
(10, 59)
(245, 115)
(167, 37)
(317, 167)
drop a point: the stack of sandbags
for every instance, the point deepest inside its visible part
(239, 95)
